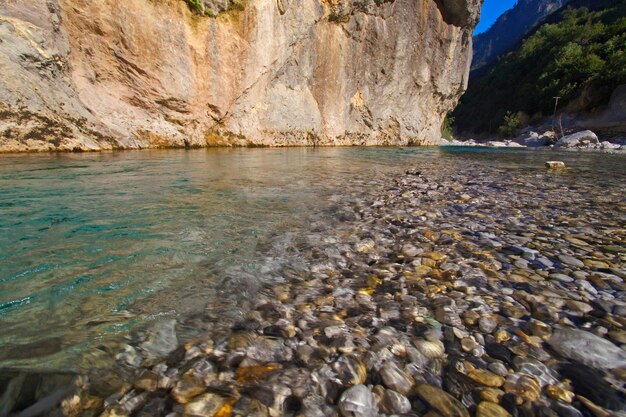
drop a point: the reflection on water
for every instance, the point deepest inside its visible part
(92, 245)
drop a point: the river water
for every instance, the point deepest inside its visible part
(93, 246)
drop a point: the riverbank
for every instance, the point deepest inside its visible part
(457, 288)
(439, 297)
(581, 141)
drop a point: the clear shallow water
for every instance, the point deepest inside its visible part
(92, 245)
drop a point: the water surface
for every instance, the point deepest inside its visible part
(94, 245)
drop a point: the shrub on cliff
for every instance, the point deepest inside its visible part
(195, 5)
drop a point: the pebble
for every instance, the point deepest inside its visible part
(444, 403)
(486, 378)
(489, 409)
(358, 401)
(440, 303)
(555, 164)
(570, 260)
(395, 378)
(587, 348)
(395, 403)
(487, 324)
(205, 405)
(161, 340)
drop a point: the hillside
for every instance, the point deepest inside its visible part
(510, 28)
(578, 54)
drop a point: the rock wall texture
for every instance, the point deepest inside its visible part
(113, 74)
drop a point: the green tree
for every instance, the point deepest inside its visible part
(511, 124)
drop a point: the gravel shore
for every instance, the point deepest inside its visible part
(445, 294)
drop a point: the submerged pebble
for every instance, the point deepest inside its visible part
(443, 295)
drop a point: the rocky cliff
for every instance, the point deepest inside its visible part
(113, 74)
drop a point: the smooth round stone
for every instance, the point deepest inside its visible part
(523, 386)
(595, 264)
(486, 378)
(468, 344)
(350, 370)
(560, 393)
(444, 403)
(470, 317)
(521, 264)
(562, 278)
(205, 405)
(618, 335)
(579, 306)
(545, 262)
(410, 251)
(515, 311)
(498, 368)
(395, 378)
(555, 165)
(487, 324)
(491, 394)
(161, 339)
(188, 387)
(570, 260)
(358, 401)
(489, 409)
(536, 369)
(502, 336)
(395, 403)
(587, 348)
(365, 246)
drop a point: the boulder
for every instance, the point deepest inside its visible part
(535, 140)
(578, 140)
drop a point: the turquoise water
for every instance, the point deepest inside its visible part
(92, 245)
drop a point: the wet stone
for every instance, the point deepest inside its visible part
(358, 401)
(487, 324)
(396, 378)
(187, 388)
(350, 370)
(536, 369)
(395, 403)
(523, 386)
(444, 403)
(510, 302)
(570, 260)
(587, 348)
(205, 405)
(161, 339)
(489, 409)
(486, 378)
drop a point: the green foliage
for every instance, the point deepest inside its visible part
(512, 122)
(195, 5)
(584, 52)
(446, 127)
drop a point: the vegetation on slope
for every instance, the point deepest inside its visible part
(581, 54)
(510, 28)
(199, 7)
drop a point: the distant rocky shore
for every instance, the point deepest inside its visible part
(454, 293)
(585, 140)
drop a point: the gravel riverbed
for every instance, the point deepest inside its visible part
(447, 292)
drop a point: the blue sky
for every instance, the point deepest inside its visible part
(492, 9)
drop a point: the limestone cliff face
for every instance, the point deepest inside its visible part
(107, 74)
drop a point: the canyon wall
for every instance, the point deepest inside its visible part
(113, 74)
